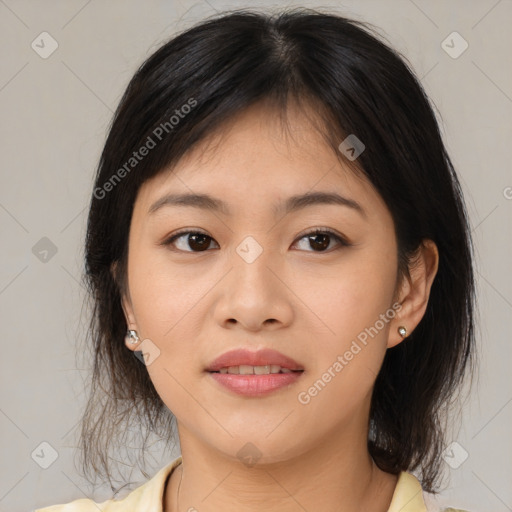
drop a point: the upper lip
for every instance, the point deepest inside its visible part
(262, 357)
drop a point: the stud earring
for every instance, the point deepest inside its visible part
(131, 337)
(402, 331)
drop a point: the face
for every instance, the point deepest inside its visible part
(253, 275)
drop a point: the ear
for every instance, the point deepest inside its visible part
(415, 291)
(126, 304)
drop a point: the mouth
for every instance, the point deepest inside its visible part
(254, 374)
(245, 369)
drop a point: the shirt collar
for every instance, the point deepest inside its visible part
(407, 497)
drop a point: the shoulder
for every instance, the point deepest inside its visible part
(410, 497)
(146, 497)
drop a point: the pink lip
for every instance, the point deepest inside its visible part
(260, 358)
(254, 385)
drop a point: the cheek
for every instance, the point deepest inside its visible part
(164, 295)
(354, 294)
(170, 303)
(355, 308)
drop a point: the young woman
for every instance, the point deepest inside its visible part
(279, 256)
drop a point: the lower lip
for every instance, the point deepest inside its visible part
(255, 385)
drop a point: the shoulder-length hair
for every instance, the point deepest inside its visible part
(357, 85)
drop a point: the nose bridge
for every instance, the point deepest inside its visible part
(253, 295)
(251, 263)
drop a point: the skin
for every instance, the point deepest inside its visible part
(194, 306)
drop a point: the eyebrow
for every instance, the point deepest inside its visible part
(293, 203)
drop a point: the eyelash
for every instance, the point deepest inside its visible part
(317, 231)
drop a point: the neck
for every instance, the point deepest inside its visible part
(330, 477)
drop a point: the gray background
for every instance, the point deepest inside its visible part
(55, 113)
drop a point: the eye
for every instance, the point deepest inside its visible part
(195, 240)
(320, 239)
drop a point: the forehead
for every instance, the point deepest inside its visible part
(255, 158)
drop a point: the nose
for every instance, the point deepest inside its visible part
(254, 295)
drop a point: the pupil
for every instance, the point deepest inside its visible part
(319, 245)
(202, 244)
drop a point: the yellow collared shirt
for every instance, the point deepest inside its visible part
(408, 497)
